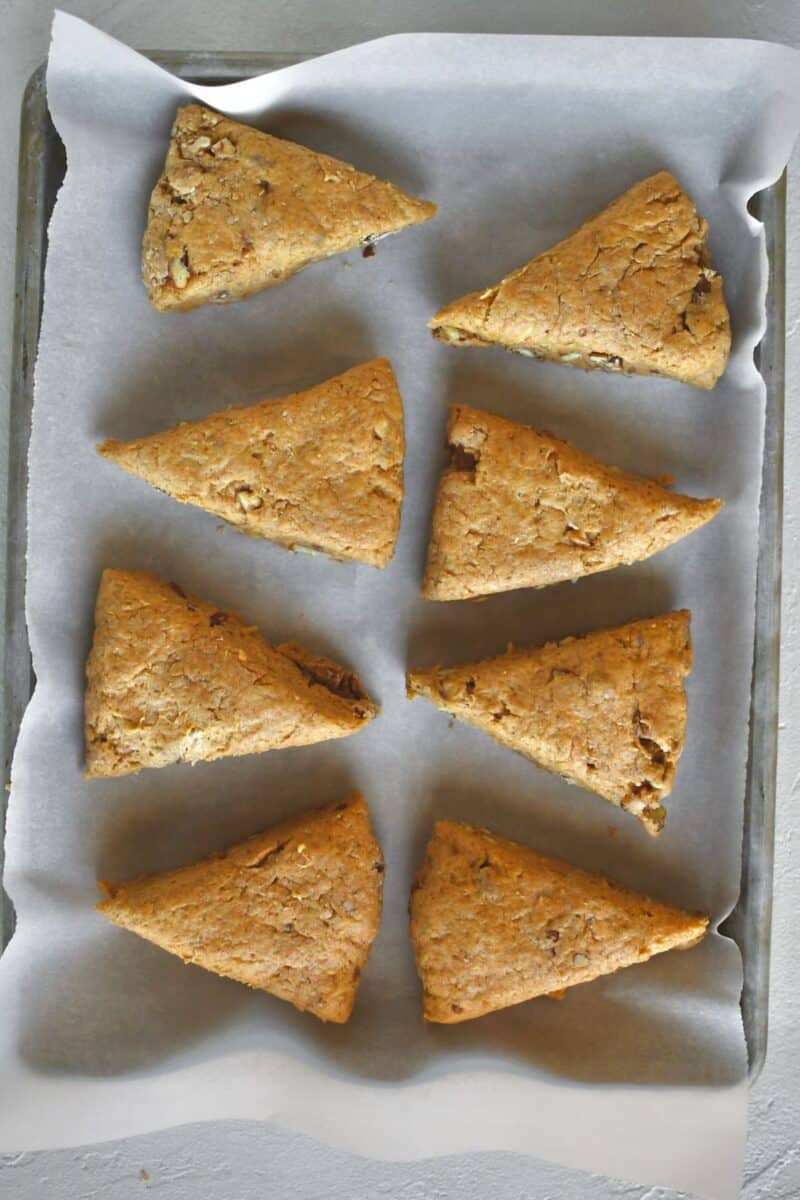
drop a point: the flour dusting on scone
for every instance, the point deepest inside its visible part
(237, 210)
(632, 290)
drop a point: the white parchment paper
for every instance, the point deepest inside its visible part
(640, 1075)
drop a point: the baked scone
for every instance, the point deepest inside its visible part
(293, 911)
(174, 679)
(493, 923)
(517, 508)
(632, 290)
(606, 711)
(319, 470)
(237, 210)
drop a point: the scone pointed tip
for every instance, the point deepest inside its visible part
(418, 683)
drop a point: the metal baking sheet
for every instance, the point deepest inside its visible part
(41, 170)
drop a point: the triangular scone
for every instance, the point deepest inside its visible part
(237, 210)
(632, 290)
(319, 470)
(174, 679)
(606, 711)
(493, 923)
(293, 911)
(518, 508)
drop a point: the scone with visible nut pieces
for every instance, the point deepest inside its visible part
(319, 470)
(632, 290)
(517, 508)
(293, 911)
(174, 679)
(237, 211)
(606, 711)
(493, 923)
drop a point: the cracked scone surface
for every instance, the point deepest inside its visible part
(518, 508)
(493, 923)
(606, 711)
(632, 290)
(320, 469)
(237, 210)
(292, 911)
(174, 679)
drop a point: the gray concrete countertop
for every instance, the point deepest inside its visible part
(242, 1161)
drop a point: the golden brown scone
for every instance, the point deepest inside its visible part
(632, 290)
(518, 508)
(493, 924)
(606, 711)
(174, 679)
(237, 210)
(293, 911)
(319, 470)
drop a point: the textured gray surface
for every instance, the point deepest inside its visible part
(242, 1161)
